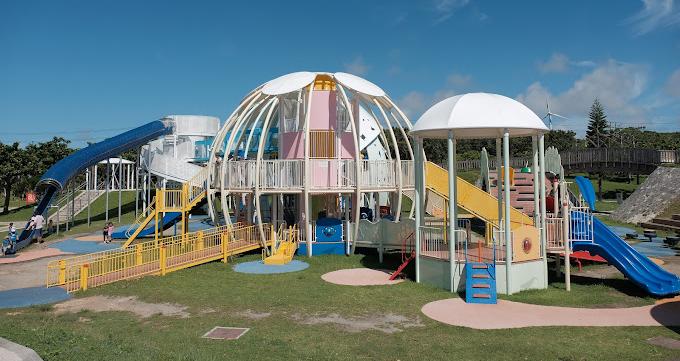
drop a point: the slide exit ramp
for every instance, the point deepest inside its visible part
(54, 180)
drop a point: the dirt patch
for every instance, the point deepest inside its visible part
(128, 304)
(387, 323)
(254, 315)
(665, 342)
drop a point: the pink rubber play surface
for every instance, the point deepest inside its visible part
(31, 255)
(506, 314)
(359, 277)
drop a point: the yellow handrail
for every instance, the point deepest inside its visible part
(167, 255)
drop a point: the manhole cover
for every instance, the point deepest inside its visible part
(225, 333)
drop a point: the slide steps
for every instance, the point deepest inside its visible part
(480, 283)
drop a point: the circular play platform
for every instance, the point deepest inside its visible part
(506, 314)
(359, 277)
(258, 267)
(24, 297)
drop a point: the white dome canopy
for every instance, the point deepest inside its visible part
(478, 115)
(296, 81)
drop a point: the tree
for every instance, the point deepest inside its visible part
(597, 132)
(15, 165)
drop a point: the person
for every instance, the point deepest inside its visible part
(36, 224)
(11, 230)
(105, 233)
(50, 227)
(109, 230)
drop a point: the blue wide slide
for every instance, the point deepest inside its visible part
(634, 265)
(169, 220)
(54, 180)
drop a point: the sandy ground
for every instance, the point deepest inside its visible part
(387, 323)
(127, 304)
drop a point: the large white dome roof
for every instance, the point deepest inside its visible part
(478, 115)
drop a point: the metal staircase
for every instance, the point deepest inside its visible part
(168, 201)
(68, 208)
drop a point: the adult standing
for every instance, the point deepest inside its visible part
(37, 222)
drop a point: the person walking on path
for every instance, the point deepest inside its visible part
(36, 224)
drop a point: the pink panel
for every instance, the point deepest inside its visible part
(323, 175)
(347, 141)
(324, 113)
(292, 145)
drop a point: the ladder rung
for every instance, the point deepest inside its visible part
(480, 276)
(481, 295)
(480, 266)
(481, 285)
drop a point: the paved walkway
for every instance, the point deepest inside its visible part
(506, 314)
(32, 255)
(359, 277)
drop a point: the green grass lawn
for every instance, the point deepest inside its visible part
(217, 296)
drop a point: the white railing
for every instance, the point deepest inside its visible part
(499, 240)
(408, 174)
(378, 174)
(286, 174)
(554, 230)
(332, 173)
(324, 174)
(432, 242)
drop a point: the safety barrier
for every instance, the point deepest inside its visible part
(167, 255)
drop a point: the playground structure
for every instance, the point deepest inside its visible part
(314, 163)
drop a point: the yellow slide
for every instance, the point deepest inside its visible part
(474, 200)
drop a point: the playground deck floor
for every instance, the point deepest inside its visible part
(507, 314)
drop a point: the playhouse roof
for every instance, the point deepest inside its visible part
(296, 81)
(478, 115)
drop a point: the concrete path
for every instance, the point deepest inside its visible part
(32, 255)
(506, 314)
(10, 351)
(359, 277)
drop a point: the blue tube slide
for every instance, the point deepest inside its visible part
(635, 266)
(54, 180)
(587, 190)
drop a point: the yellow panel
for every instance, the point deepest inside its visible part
(474, 200)
(526, 244)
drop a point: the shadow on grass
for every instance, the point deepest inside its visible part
(624, 286)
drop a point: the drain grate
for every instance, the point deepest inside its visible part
(225, 333)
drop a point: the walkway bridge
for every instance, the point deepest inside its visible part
(156, 257)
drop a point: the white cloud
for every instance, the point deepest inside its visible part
(617, 85)
(446, 8)
(459, 81)
(357, 66)
(560, 63)
(673, 84)
(655, 14)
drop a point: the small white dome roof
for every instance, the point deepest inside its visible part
(296, 81)
(478, 115)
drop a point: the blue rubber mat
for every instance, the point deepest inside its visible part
(655, 248)
(78, 247)
(258, 267)
(23, 297)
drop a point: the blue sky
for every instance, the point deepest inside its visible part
(87, 70)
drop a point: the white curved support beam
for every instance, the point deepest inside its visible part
(398, 168)
(357, 161)
(258, 164)
(307, 171)
(217, 143)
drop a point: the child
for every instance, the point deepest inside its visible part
(105, 233)
(110, 232)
